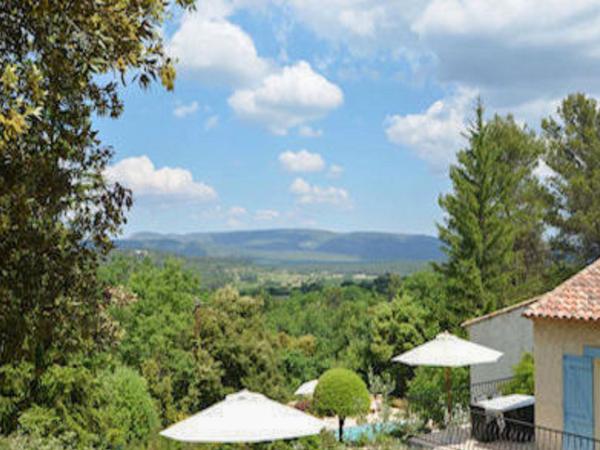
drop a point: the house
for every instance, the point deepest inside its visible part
(505, 330)
(566, 345)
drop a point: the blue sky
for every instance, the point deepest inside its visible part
(341, 115)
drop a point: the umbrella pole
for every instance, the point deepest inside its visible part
(448, 392)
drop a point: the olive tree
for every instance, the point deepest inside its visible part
(342, 393)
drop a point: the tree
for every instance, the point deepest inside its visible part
(388, 285)
(231, 331)
(428, 289)
(342, 393)
(128, 415)
(159, 338)
(491, 219)
(59, 62)
(395, 328)
(573, 154)
(337, 318)
(525, 203)
(427, 393)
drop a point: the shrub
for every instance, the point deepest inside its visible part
(24, 442)
(523, 381)
(427, 396)
(129, 415)
(341, 392)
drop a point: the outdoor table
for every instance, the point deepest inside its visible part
(508, 417)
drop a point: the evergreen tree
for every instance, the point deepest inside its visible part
(491, 222)
(573, 153)
(525, 203)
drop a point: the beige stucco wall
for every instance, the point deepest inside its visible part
(597, 396)
(552, 339)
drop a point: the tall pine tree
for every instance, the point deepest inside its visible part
(492, 230)
(573, 154)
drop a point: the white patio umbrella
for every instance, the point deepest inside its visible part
(307, 389)
(244, 417)
(448, 351)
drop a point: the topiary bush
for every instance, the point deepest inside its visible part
(342, 393)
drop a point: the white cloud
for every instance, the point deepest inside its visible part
(308, 131)
(266, 215)
(288, 98)
(434, 135)
(300, 187)
(140, 175)
(515, 51)
(237, 211)
(211, 122)
(335, 171)
(360, 25)
(183, 110)
(532, 111)
(216, 51)
(308, 194)
(540, 22)
(302, 161)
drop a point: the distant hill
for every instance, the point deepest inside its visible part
(292, 246)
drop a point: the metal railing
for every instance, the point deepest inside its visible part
(472, 428)
(490, 389)
(432, 406)
(501, 433)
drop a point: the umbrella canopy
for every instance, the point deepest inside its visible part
(307, 389)
(244, 417)
(447, 350)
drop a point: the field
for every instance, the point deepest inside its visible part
(249, 276)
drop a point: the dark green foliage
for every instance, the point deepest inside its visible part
(232, 334)
(396, 327)
(336, 317)
(193, 349)
(86, 404)
(159, 337)
(428, 289)
(342, 393)
(525, 204)
(128, 415)
(69, 406)
(388, 285)
(492, 232)
(523, 381)
(58, 212)
(573, 154)
(15, 392)
(427, 393)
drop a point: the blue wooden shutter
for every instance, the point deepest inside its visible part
(578, 402)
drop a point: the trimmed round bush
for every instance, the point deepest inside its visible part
(342, 393)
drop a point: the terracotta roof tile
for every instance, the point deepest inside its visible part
(578, 298)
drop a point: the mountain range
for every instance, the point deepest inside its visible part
(292, 246)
